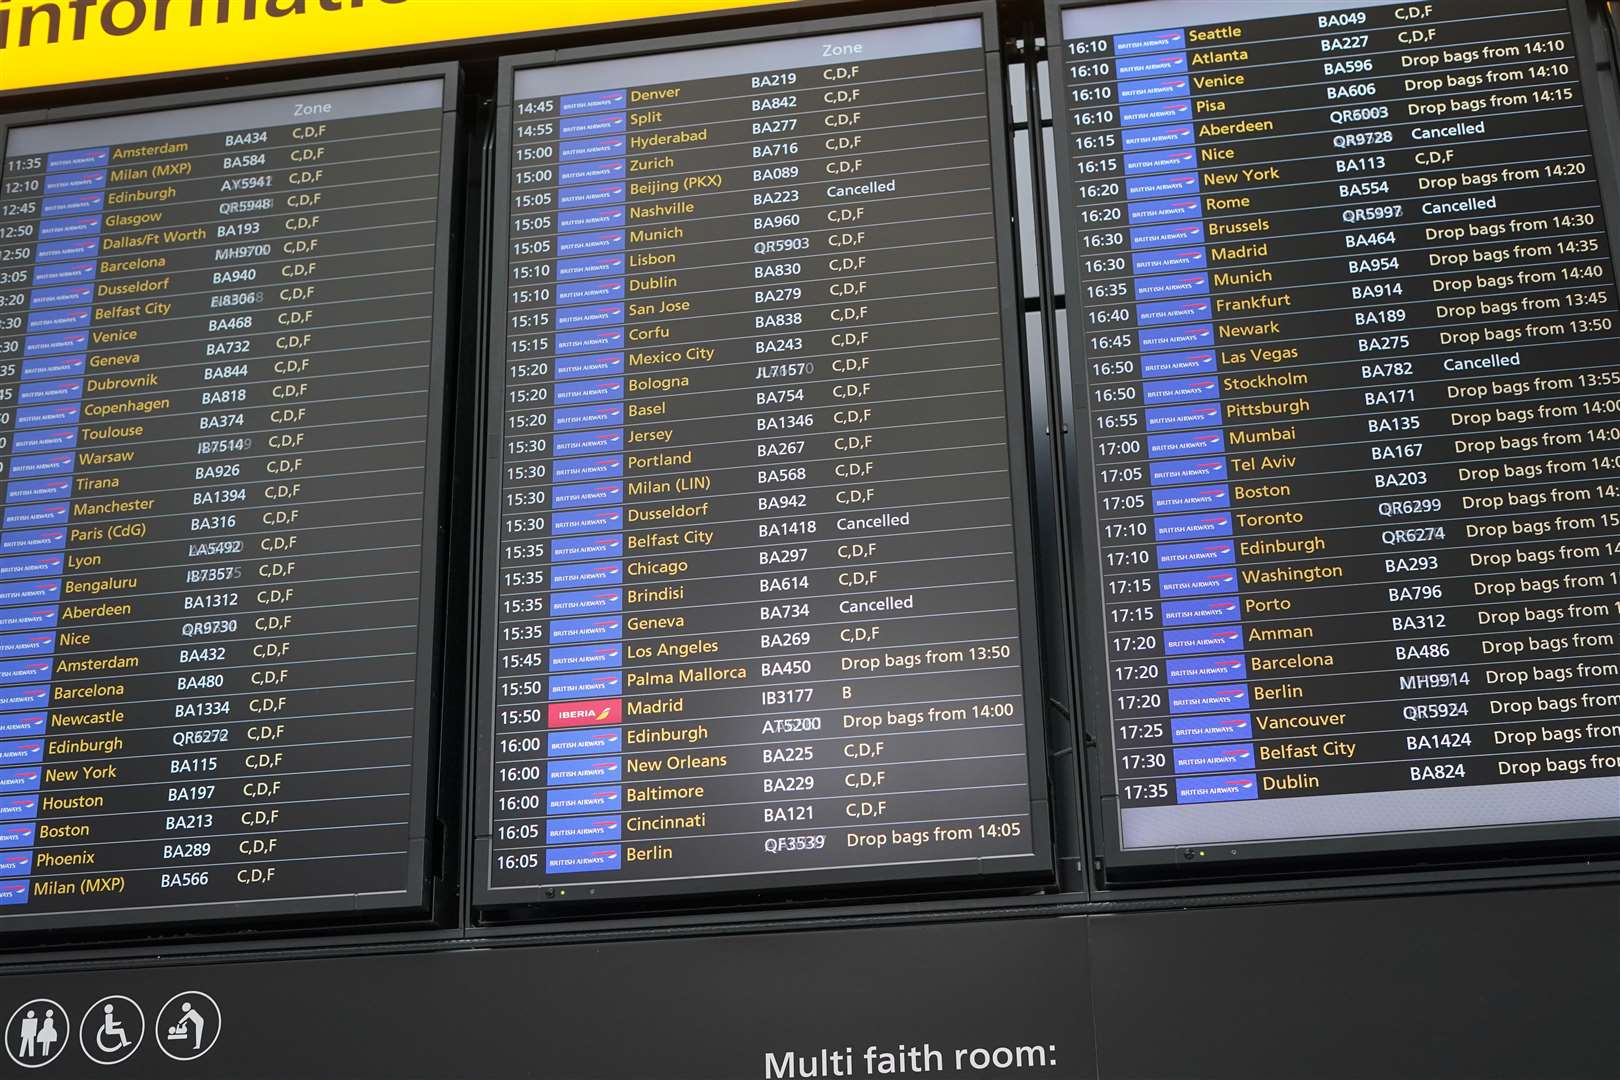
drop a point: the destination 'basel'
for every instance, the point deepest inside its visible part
(757, 586)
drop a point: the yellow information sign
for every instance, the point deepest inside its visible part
(54, 42)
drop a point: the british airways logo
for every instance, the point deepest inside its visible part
(584, 367)
(587, 468)
(1185, 470)
(15, 833)
(591, 291)
(1151, 90)
(1134, 67)
(1172, 285)
(12, 752)
(583, 149)
(590, 217)
(589, 172)
(589, 315)
(584, 685)
(582, 830)
(574, 548)
(588, 601)
(582, 742)
(567, 496)
(1190, 498)
(587, 656)
(56, 183)
(576, 771)
(581, 860)
(26, 644)
(1156, 138)
(592, 101)
(14, 725)
(595, 266)
(591, 195)
(602, 124)
(585, 390)
(1196, 361)
(589, 442)
(1181, 556)
(590, 243)
(19, 779)
(1149, 236)
(1189, 442)
(54, 228)
(1181, 417)
(1158, 262)
(1181, 670)
(1163, 111)
(1210, 728)
(585, 575)
(584, 800)
(1214, 758)
(574, 630)
(23, 697)
(1149, 42)
(1176, 337)
(1196, 583)
(1189, 526)
(1216, 789)
(1211, 639)
(583, 521)
(61, 295)
(67, 249)
(1173, 390)
(1208, 698)
(57, 273)
(77, 159)
(33, 540)
(41, 464)
(1152, 161)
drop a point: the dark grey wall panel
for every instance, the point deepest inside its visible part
(688, 1009)
(1518, 984)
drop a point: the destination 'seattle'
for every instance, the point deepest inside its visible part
(1344, 365)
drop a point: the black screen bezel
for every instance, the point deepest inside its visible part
(519, 904)
(1305, 857)
(416, 900)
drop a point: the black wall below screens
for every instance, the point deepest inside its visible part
(1520, 984)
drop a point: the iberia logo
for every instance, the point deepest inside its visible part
(585, 713)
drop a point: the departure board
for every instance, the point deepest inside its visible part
(757, 598)
(1342, 309)
(220, 358)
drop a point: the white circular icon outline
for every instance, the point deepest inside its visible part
(157, 1025)
(66, 1035)
(98, 1007)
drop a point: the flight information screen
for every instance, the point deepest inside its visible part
(756, 597)
(1342, 309)
(218, 375)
